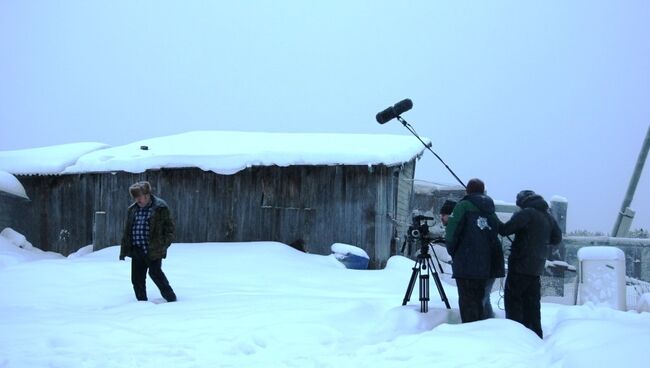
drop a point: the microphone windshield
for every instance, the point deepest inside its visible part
(403, 106)
(385, 116)
(394, 111)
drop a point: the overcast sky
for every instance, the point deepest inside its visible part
(552, 96)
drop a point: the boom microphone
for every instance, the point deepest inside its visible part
(394, 111)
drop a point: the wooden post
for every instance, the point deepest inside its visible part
(638, 168)
(99, 231)
(559, 212)
(624, 223)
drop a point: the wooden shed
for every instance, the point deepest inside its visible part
(311, 189)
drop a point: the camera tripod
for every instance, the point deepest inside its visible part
(423, 270)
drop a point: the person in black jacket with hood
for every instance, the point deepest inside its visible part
(473, 244)
(535, 231)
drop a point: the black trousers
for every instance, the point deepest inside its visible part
(522, 301)
(487, 305)
(471, 294)
(139, 266)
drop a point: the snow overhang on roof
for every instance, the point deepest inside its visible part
(10, 185)
(51, 160)
(428, 187)
(227, 152)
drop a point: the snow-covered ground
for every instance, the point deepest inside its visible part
(265, 304)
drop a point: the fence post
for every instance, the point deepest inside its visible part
(99, 231)
(559, 210)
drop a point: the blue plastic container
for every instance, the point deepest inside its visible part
(355, 262)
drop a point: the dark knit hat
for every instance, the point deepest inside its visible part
(140, 188)
(447, 207)
(523, 196)
(475, 186)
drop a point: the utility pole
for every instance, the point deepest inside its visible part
(625, 215)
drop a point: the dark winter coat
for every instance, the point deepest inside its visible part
(535, 231)
(161, 230)
(472, 239)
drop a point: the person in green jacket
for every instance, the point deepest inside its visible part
(477, 257)
(148, 232)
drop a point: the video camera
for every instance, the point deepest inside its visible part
(419, 228)
(418, 232)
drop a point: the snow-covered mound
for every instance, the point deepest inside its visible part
(14, 248)
(342, 249)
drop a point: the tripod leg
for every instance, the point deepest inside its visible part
(441, 290)
(436, 256)
(424, 292)
(411, 285)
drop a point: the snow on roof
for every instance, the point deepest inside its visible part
(227, 152)
(224, 152)
(9, 184)
(45, 160)
(557, 198)
(428, 187)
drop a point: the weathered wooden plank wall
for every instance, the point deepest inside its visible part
(318, 205)
(13, 212)
(404, 198)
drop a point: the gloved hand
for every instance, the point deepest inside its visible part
(122, 257)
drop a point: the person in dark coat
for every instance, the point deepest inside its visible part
(535, 231)
(446, 210)
(148, 232)
(472, 242)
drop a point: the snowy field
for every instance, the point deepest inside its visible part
(265, 304)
